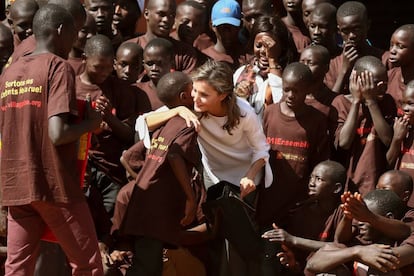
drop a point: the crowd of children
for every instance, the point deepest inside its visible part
(232, 138)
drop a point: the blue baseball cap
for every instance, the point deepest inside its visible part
(226, 12)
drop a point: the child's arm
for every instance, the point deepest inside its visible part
(349, 56)
(128, 168)
(344, 231)
(62, 132)
(281, 236)
(400, 131)
(157, 119)
(378, 256)
(368, 90)
(347, 133)
(405, 254)
(179, 168)
(392, 228)
(120, 129)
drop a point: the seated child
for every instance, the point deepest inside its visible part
(314, 220)
(366, 258)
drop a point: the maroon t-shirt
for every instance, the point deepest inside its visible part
(157, 202)
(77, 64)
(296, 146)
(335, 67)
(185, 55)
(405, 162)
(235, 61)
(106, 147)
(151, 93)
(301, 40)
(396, 86)
(24, 48)
(365, 160)
(33, 89)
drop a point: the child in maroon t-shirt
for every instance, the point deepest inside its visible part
(297, 134)
(119, 106)
(401, 152)
(314, 220)
(364, 124)
(401, 59)
(158, 61)
(128, 62)
(161, 202)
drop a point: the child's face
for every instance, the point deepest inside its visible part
(126, 13)
(22, 23)
(86, 32)
(320, 29)
(228, 35)
(128, 65)
(189, 23)
(293, 6)
(156, 63)
(353, 29)
(390, 182)
(188, 102)
(366, 231)
(407, 104)
(313, 60)
(102, 11)
(160, 17)
(98, 68)
(294, 91)
(401, 48)
(320, 185)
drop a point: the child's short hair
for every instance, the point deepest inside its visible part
(323, 51)
(171, 85)
(326, 9)
(99, 45)
(350, 8)
(337, 171)
(386, 201)
(299, 70)
(133, 47)
(48, 18)
(368, 63)
(166, 46)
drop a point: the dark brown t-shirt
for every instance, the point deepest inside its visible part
(297, 145)
(157, 202)
(151, 93)
(235, 61)
(106, 147)
(34, 89)
(405, 161)
(24, 48)
(77, 64)
(396, 86)
(301, 40)
(185, 55)
(365, 160)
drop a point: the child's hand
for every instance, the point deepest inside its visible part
(345, 198)
(358, 209)
(189, 117)
(278, 235)
(246, 187)
(287, 258)
(368, 88)
(400, 128)
(244, 88)
(378, 256)
(91, 114)
(355, 88)
(350, 55)
(104, 106)
(189, 213)
(121, 258)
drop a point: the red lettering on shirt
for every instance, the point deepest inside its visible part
(282, 142)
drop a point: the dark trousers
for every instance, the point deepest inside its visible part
(147, 260)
